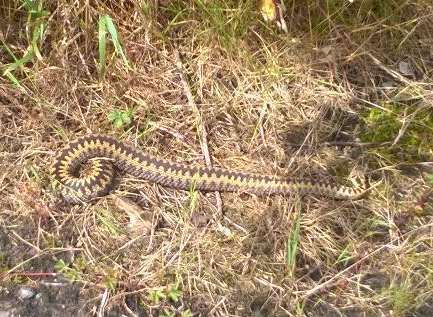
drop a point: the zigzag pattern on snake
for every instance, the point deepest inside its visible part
(102, 153)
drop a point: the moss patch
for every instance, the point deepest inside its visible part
(411, 127)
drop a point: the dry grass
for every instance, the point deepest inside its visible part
(270, 103)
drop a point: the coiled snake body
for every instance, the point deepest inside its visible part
(102, 153)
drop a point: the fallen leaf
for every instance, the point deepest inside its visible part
(273, 10)
(140, 221)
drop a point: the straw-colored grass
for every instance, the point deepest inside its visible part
(347, 89)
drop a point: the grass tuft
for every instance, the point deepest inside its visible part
(35, 34)
(292, 245)
(105, 25)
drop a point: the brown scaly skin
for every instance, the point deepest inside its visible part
(102, 152)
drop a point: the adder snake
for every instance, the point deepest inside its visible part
(103, 153)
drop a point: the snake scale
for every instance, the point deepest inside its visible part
(102, 154)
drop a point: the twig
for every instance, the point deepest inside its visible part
(375, 105)
(174, 133)
(200, 125)
(406, 122)
(128, 310)
(25, 241)
(389, 71)
(103, 304)
(5, 274)
(340, 143)
(34, 274)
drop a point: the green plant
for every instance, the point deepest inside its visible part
(193, 195)
(110, 279)
(345, 256)
(292, 246)
(407, 130)
(109, 223)
(121, 118)
(228, 22)
(186, 313)
(146, 7)
(3, 262)
(401, 298)
(36, 26)
(167, 313)
(70, 273)
(429, 179)
(172, 293)
(105, 25)
(156, 295)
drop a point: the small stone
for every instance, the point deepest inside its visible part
(389, 84)
(25, 293)
(406, 69)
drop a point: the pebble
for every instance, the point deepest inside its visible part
(25, 293)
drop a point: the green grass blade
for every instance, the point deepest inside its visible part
(37, 34)
(12, 78)
(36, 25)
(344, 256)
(115, 38)
(106, 24)
(102, 45)
(15, 65)
(292, 245)
(28, 56)
(9, 50)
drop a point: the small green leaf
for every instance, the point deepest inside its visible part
(344, 256)
(167, 314)
(60, 266)
(28, 56)
(120, 118)
(156, 295)
(186, 313)
(174, 294)
(146, 7)
(12, 78)
(110, 282)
